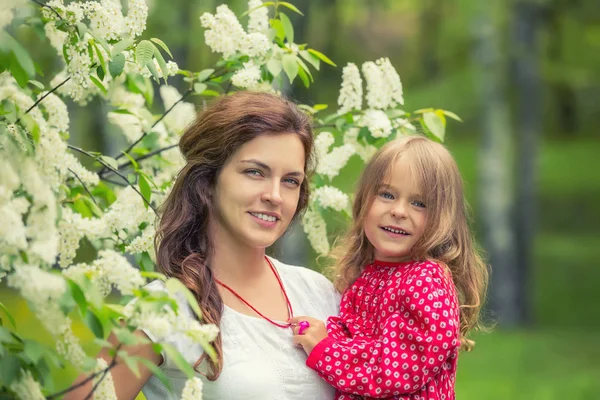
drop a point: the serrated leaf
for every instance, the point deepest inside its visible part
(274, 67)
(313, 60)
(205, 74)
(163, 45)
(433, 122)
(116, 65)
(120, 46)
(178, 359)
(110, 161)
(290, 66)
(98, 84)
(144, 52)
(321, 57)
(290, 6)
(288, 28)
(174, 285)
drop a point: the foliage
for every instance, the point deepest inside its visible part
(50, 203)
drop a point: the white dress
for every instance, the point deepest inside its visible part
(260, 362)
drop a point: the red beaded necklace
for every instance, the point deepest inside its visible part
(290, 311)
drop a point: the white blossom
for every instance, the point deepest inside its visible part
(56, 37)
(56, 109)
(332, 163)
(316, 231)
(384, 88)
(248, 77)
(364, 150)
(106, 18)
(6, 11)
(351, 92)
(27, 388)
(192, 389)
(331, 197)
(106, 386)
(144, 242)
(323, 142)
(378, 123)
(69, 346)
(181, 115)
(137, 13)
(255, 45)
(130, 125)
(258, 19)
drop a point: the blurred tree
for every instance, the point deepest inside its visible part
(495, 189)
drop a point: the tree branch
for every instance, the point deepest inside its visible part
(85, 187)
(113, 170)
(125, 185)
(145, 156)
(47, 6)
(47, 94)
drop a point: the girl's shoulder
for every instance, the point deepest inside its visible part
(432, 269)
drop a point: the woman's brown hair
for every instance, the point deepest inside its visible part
(183, 244)
(447, 238)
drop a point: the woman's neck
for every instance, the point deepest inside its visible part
(238, 265)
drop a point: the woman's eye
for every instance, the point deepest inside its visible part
(387, 195)
(253, 172)
(419, 204)
(292, 181)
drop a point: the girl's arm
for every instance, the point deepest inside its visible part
(417, 341)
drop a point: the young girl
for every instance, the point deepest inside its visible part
(412, 280)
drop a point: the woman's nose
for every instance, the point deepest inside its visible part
(272, 194)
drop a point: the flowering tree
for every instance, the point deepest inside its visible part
(49, 202)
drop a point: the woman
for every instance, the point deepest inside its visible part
(246, 179)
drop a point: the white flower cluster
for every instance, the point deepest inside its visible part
(384, 88)
(106, 386)
(330, 163)
(364, 150)
(106, 18)
(224, 34)
(248, 77)
(316, 231)
(69, 346)
(109, 270)
(259, 18)
(181, 115)
(192, 389)
(351, 92)
(378, 123)
(6, 11)
(127, 213)
(27, 388)
(331, 197)
(144, 242)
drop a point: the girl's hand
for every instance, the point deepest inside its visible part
(310, 336)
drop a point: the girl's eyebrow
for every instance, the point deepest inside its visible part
(264, 166)
(391, 187)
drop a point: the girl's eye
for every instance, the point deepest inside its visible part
(387, 195)
(419, 204)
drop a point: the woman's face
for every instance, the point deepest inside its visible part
(257, 191)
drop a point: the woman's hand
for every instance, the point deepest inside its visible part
(310, 336)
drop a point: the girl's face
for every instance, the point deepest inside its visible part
(397, 217)
(257, 191)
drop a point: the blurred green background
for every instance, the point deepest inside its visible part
(524, 77)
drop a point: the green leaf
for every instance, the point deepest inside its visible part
(78, 296)
(200, 87)
(8, 315)
(6, 336)
(132, 160)
(161, 63)
(211, 93)
(288, 28)
(174, 285)
(153, 275)
(305, 68)
(10, 368)
(320, 107)
(21, 55)
(205, 74)
(98, 84)
(278, 26)
(435, 125)
(290, 66)
(120, 46)
(144, 52)
(94, 323)
(274, 67)
(37, 84)
(451, 115)
(145, 189)
(321, 57)
(100, 56)
(163, 45)
(156, 371)
(290, 6)
(81, 29)
(304, 77)
(178, 359)
(130, 361)
(154, 71)
(313, 60)
(34, 350)
(116, 65)
(110, 161)
(17, 71)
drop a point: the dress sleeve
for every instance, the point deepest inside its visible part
(417, 340)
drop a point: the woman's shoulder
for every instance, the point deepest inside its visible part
(302, 274)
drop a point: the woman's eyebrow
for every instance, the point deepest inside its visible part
(268, 169)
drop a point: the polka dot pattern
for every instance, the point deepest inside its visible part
(396, 336)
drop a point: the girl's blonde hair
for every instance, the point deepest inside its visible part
(447, 238)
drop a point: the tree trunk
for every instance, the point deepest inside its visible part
(528, 91)
(495, 189)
